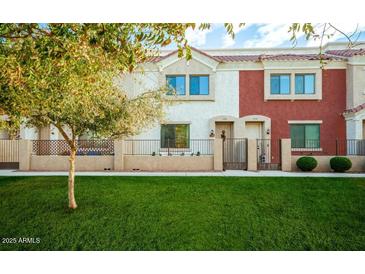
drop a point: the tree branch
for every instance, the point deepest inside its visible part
(64, 134)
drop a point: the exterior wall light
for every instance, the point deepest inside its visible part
(212, 134)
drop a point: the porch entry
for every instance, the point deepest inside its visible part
(268, 154)
(224, 130)
(234, 149)
(235, 154)
(9, 154)
(254, 130)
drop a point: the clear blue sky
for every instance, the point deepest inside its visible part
(262, 35)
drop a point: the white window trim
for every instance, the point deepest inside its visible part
(292, 96)
(176, 123)
(307, 149)
(189, 69)
(305, 122)
(199, 97)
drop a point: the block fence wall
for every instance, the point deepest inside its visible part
(122, 162)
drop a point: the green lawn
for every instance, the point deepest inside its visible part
(184, 213)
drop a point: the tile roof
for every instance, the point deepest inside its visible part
(153, 59)
(238, 58)
(355, 109)
(257, 58)
(299, 57)
(346, 52)
(275, 57)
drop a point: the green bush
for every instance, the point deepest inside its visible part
(340, 164)
(307, 163)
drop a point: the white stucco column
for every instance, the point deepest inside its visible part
(119, 155)
(251, 155)
(285, 154)
(25, 151)
(218, 154)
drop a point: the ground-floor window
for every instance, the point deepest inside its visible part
(305, 135)
(175, 135)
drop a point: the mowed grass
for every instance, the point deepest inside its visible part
(184, 213)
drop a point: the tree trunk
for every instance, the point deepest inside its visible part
(71, 180)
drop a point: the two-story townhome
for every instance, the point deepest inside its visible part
(254, 93)
(205, 96)
(270, 93)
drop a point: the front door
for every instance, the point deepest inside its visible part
(253, 130)
(224, 129)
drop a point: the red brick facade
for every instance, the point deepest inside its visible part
(329, 109)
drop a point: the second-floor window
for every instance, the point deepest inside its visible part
(176, 84)
(305, 83)
(280, 84)
(199, 85)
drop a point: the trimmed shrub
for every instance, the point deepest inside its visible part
(307, 163)
(340, 164)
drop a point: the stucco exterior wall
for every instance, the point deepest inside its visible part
(329, 110)
(28, 133)
(168, 163)
(61, 163)
(355, 96)
(355, 84)
(120, 161)
(198, 113)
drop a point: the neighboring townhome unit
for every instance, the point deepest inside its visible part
(355, 94)
(297, 96)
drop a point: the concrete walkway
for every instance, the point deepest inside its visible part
(228, 173)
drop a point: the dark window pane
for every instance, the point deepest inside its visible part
(280, 84)
(312, 136)
(175, 136)
(299, 84)
(167, 135)
(182, 136)
(297, 135)
(305, 136)
(275, 84)
(199, 85)
(194, 85)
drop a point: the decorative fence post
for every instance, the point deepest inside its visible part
(285, 154)
(168, 147)
(218, 154)
(119, 155)
(251, 154)
(25, 151)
